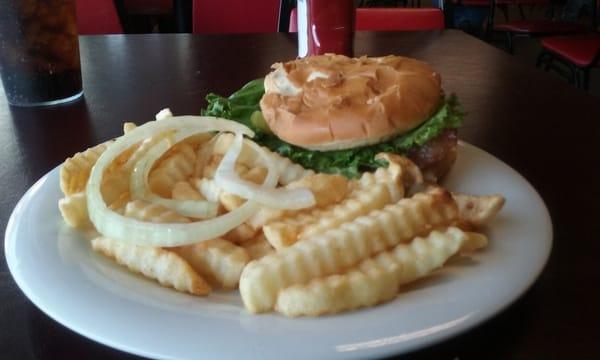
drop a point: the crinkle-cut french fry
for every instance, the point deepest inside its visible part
(156, 263)
(128, 126)
(73, 209)
(411, 174)
(229, 201)
(183, 190)
(212, 192)
(288, 230)
(128, 159)
(256, 175)
(374, 280)
(144, 211)
(338, 249)
(197, 140)
(240, 234)
(328, 190)
(372, 191)
(337, 293)
(266, 215)
(119, 204)
(391, 176)
(115, 181)
(203, 157)
(213, 163)
(115, 185)
(288, 170)
(218, 260)
(478, 210)
(223, 143)
(474, 241)
(75, 171)
(174, 168)
(210, 167)
(257, 247)
(170, 168)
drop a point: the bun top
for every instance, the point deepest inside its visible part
(333, 102)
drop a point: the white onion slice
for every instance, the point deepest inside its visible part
(209, 189)
(139, 188)
(144, 147)
(266, 194)
(121, 228)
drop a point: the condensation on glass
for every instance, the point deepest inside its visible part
(39, 52)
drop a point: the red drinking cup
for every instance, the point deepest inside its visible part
(325, 26)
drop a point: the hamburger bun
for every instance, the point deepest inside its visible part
(333, 102)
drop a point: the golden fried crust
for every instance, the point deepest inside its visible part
(155, 263)
(375, 279)
(338, 249)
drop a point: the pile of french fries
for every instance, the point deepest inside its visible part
(362, 241)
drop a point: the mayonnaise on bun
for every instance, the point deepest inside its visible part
(333, 102)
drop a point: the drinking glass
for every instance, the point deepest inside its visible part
(39, 52)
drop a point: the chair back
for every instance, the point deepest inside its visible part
(148, 7)
(500, 2)
(399, 19)
(235, 16)
(390, 19)
(523, 2)
(97, 17)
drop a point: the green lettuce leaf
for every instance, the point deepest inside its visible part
(239, 106)
(351, 162)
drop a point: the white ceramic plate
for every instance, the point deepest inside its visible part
(57, 270)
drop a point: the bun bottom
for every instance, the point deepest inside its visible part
(436, 157)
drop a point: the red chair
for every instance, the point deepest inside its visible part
(502, 5)
(390, 19)
(235, 16)
(97, 17)
(579, 53)
(529, 28)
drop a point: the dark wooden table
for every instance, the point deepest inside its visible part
(546, 130)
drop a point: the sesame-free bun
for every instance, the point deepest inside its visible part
(333, 102)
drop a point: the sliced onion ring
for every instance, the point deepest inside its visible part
(144, 147)
(121, 228)
(265, 194)
(139, 188)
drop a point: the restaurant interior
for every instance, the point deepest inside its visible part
(531, 25)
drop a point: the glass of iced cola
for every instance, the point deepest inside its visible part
(39, 52)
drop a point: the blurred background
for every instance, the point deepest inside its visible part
(479, 18)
